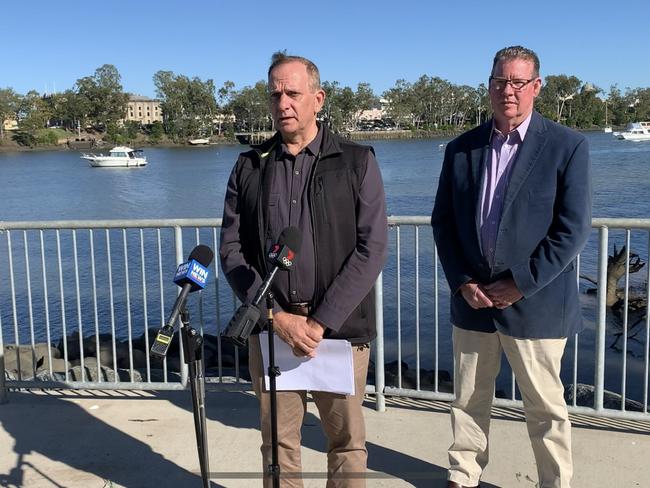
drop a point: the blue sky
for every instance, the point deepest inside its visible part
(49, 45)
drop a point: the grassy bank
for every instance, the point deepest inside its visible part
(55, 139)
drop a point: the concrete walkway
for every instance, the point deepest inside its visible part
(141, 439)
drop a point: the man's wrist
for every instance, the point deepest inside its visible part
(317, 322)
(466, 285)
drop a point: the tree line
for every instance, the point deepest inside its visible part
(192, 107)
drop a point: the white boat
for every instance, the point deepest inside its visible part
(118, 157)
(607, 130)
(636, 131)
(199, 142)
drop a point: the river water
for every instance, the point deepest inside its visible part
(190, 183)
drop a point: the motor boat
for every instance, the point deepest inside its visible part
(636, 131)
(199, 142)
(118, 157)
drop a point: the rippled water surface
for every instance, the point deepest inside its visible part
(190, 182)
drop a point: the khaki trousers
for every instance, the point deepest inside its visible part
(341, 418)
(536, 365)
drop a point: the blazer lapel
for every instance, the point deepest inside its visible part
(526, 158)
(480, 155)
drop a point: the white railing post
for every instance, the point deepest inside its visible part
(601, 319)
(380, 378)
(178, 246)
(4, 398)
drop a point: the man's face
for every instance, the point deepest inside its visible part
(294, 103)
(511, 105)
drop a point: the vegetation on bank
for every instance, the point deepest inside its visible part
(193, 108)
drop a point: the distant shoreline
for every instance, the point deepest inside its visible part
(9, 147)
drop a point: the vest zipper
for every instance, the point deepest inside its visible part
(313, 227)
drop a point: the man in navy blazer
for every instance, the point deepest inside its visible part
(512, 212)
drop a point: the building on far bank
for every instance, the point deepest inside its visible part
(377, 112)
(10, 124)
(143, 109)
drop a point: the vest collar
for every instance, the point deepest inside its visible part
(329, 145)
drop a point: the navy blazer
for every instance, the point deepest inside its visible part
(545, 223)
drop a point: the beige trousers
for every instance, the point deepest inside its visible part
(536, 365)
(341, 418)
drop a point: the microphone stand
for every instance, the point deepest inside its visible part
(273, 372)
(193, 352)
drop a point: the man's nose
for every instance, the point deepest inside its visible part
(283, 101)
(508, 88)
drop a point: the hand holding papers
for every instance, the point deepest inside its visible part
(331, 370)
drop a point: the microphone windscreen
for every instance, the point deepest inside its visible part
(292, 238)
(203, 254)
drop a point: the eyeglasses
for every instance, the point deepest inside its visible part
(517, 85)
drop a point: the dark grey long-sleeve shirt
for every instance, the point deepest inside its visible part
(289, 205)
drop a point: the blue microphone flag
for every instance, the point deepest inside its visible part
(193, 273)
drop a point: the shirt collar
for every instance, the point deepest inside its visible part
(313, 147)
(521, 129)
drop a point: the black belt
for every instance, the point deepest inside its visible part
(303, 308)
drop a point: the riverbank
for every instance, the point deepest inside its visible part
(11, 146)
(8, 146)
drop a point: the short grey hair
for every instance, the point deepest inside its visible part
(281, 57)
(517, 52)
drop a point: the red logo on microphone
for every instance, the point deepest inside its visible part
(273, 253)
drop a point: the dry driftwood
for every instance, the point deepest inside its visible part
(636, 303)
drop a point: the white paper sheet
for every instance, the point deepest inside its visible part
(331, 370)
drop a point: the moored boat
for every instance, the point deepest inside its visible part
(636, 131)
(118, 157)
(199, 142)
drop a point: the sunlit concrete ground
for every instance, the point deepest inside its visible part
(140, 439)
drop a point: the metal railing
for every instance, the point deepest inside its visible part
(98, 287)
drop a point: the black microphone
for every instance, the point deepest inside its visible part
(282, 256)
(191, 275)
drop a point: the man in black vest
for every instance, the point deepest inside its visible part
(306, 176)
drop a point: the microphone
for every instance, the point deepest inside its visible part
(191, 275)
(281, 256)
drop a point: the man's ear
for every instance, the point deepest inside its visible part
(320, 99)
(537, 87)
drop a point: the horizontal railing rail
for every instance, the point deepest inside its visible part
(94, 292)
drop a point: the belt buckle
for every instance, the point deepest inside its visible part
(301, 308)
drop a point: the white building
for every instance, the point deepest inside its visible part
(144, 110)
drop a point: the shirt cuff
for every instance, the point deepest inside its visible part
(329, 316)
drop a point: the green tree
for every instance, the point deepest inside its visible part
(250, 105)
(104, 97)
(643, 107)
(401, 103)
(188, 105)
(68, 109)
(224, 97)
(331, 111)
(588, 109)
(482, 107)
(9, 103)
(156, 132)
(637, 101)
(617, 107)
(33, 113)
(555, 99)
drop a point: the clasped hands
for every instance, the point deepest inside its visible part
(500, 294)
(303, 334)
